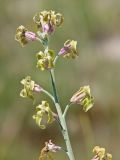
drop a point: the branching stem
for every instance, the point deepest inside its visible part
(62, 119)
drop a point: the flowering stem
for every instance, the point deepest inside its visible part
(53, 85)
(62, 119)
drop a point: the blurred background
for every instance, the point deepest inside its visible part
(96, 26)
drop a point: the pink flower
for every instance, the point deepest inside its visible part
(52, 147)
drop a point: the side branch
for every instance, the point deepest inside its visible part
(66, 109)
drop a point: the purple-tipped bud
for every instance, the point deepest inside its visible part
(83, 97)
(77, 98)
(64, 50)
(37, 88)
(69, 49)
(30, 36)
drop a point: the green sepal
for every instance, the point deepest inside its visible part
(87, 103)
(43, 38)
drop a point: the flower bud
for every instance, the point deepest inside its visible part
(48, 28)
(69, 49)
(23, 36)
(83, 97)
(45, 60)
(100, 154)
(41, 110)
(30, 36)
(99, 151)
(37, 88)
(29, 87)
(109, 156)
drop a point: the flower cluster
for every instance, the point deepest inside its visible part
(47, 21)
(84, 98)
(41, 110)
(100, 154)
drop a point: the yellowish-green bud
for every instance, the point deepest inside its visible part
(83, 97)
(45, 60)
(29, 88)
(41, 110)
(108, 156)
(100, 154)
(69, 50)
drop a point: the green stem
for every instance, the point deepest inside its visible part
(65, 133)
(53, 85)
(46, 92)
(62, 119)
(43, 42)
(55, 60)
(66, 109)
